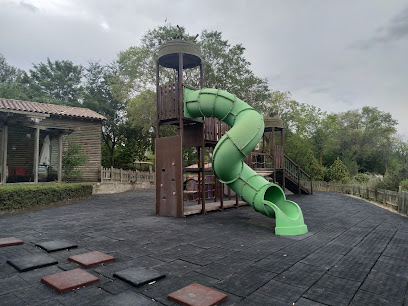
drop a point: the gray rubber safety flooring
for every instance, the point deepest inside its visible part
(354, 254)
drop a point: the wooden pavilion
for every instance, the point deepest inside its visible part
(34, 134)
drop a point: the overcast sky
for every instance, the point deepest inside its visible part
(336, 55)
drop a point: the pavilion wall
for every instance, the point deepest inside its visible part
(88, 134)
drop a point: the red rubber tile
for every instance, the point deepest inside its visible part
(91, 259)
(197, 295)
(69, 280)
(10, 241)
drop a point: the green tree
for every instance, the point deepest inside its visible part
(107, 94)
(366, 138)
(54, 82)
(225, 66)
(142, 110)
(338, 171)
(313, 168)
(8, 73)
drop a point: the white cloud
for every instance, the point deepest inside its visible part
(302, 46)
(104, 25)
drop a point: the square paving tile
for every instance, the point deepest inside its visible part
(138, 276)
(10, 241)
(91, 259)
(363, 298)
(127, 298)
(197, 295)
(56, 245)
(69, 280)
(31, 262)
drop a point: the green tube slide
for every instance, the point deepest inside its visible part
(246, 132)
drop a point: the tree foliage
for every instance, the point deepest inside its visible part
(105, 93)
(338, 171)
(55, 82)
(8, 73)
(225, 65)
(313, 168)
(364, 139)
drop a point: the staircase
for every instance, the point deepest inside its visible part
(282, 171)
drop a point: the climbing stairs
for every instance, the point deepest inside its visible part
(283, 171)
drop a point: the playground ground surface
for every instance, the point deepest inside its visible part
(355, 253)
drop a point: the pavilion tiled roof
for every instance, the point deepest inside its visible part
(51, 109)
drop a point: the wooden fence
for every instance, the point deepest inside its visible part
(112, 175)
(397, 201)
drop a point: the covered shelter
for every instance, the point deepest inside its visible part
(33, 136)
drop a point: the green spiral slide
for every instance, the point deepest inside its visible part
(247, 129)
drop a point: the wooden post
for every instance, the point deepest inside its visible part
(222, 195)
(111, 174)
(273, 155)
(4, 140)
(121, 175)
(102, 177)
(201, 76)
(202, 164)
(36, 153)
(283, 179)
(181, 96)
(298, 174)
(60, 136)
(399, 199)
(158, 111)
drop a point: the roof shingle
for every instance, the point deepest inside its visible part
(51, 109)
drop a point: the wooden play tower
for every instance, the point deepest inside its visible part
(172, 172)
(184, 188)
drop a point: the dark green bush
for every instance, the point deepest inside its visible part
(404, 185)
(361, 178)
(21, 196)
(338, 172)
(313, 168)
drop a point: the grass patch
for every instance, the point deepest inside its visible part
(27, 196)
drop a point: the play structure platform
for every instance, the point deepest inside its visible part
(215, 125)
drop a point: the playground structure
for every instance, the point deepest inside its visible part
(202, 118)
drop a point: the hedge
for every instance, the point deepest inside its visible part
(22, 196)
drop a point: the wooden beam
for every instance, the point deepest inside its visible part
(36, 153)
(4, 134)
(60, 137)
(27, 113)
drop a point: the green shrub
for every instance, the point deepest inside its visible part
(72, 158)
(404, 185)
(361, 178)
(338, 172)
(313, 168)
(390, 181)
(21, 196)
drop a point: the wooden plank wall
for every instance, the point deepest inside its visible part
(88, 133)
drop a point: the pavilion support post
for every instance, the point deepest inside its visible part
(4, 139)
(60, 137)
(36, 153)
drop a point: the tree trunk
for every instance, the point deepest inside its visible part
(320, 159)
